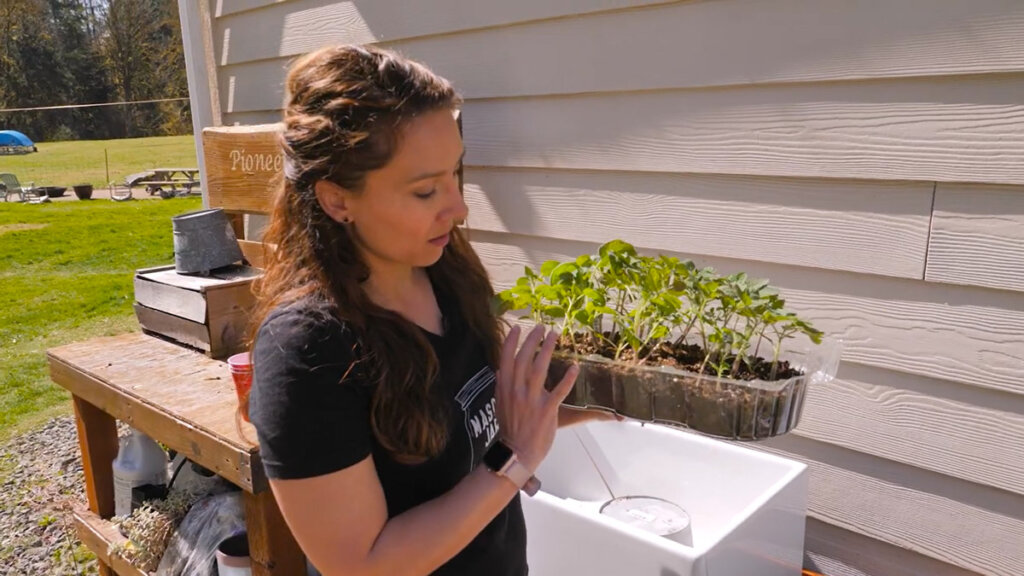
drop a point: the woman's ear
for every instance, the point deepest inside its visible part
(334, 200)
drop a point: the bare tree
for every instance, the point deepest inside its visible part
(132, 27)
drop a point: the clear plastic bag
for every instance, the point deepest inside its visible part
(210, 521)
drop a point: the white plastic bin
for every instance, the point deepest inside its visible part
(747, 509)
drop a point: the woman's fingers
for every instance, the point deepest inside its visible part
(506, 371)
(524, 359)
(561, 391)
(541, 362)
(506, 364)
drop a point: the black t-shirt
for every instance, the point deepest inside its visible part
(310, 404)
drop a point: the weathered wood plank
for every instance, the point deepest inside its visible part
(198, 299)
(253, 252)
(836, 552)
(292, 28)
(977, 236)
(179, 329)
(244, 166)
(272, 547)
(955, 333)
(875, 227)
(97, 441)
(971, 526)
(949, 129)
(168, 392)
(229, 318)
(103, 538)
(220, 279)
(961, 431)
(188, 304)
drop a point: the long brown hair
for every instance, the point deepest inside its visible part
(345, 110)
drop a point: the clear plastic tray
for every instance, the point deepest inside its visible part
(711, 405)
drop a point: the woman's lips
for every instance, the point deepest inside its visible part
(441, 240)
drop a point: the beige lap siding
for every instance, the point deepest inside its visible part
(868, 157)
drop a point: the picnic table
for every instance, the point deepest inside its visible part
(183, 399)
(164, 181)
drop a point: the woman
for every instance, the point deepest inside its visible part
(396, 425)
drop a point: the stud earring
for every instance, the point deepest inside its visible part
(346, 220)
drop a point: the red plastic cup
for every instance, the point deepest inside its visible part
(240, 366)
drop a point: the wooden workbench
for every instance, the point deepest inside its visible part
(183, 399)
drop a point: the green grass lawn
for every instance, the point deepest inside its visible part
(69, 163)
(65, 275)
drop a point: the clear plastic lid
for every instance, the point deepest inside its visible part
(647, 513)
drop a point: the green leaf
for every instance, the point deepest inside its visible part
(563, 273)
(553, 311)
(659, 332)
(547, 267)
(546, 292)
(617, 247)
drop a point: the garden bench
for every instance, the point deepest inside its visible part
(177, 395)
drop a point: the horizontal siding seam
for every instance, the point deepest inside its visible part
(651, 5)
(854, 80)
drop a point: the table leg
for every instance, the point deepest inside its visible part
(272, 548)
(97, 439)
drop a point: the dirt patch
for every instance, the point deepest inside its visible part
(5, 228)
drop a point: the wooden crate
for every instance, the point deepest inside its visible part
(210, 313)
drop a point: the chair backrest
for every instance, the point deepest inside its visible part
(244, 168)
(10, 182)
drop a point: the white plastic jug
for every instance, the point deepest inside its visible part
(139, 461)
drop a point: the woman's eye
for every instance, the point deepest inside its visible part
(427, 194)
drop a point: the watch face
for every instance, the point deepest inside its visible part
(497, 455)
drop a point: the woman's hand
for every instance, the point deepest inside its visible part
(527, 412)
(571, 415)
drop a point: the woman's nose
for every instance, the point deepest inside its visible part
(457, 208)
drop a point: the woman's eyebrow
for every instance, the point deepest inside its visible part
(436, 174)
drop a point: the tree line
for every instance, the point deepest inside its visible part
(60, 52)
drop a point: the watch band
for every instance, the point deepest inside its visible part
(501, 459)
(520, 475)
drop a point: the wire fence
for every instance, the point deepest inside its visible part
(103, 121)
(124, 139)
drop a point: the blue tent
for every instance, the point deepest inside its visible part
(14, 138)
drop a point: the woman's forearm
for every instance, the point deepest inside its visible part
(420, 540)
